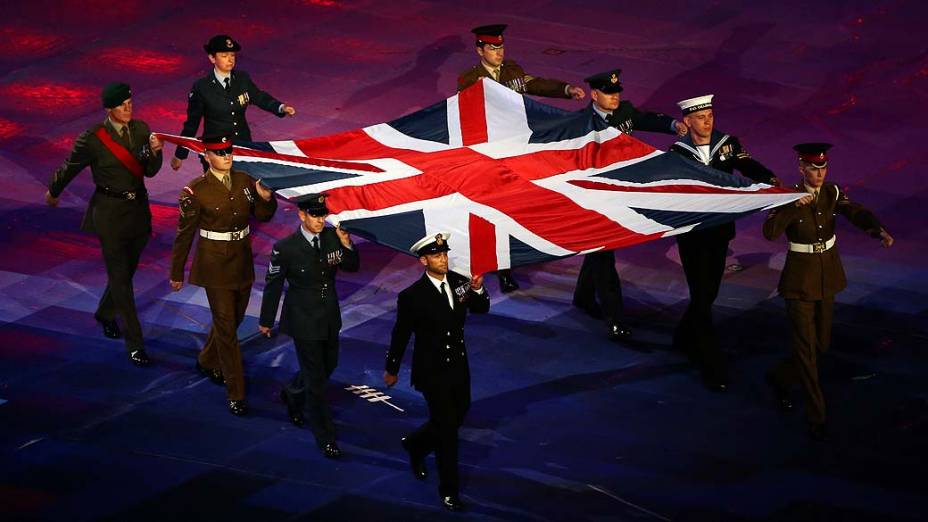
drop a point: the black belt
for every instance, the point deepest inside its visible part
(129, 195)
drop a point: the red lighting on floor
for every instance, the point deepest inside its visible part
(139, 60)
(19, 42)
(48, 96)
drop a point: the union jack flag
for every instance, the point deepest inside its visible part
(513, 180)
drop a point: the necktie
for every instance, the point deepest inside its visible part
(445, 295)
(228, 82)
(495, 74)
(124, 134)
(227, 181)
(316, 243)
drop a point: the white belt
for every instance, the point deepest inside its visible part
(225, 236)
(812, 248)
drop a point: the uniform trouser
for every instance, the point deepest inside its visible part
(306, 391)
(448, 403)
(703, 260)
(599, 281)
(810, 326)
(222, 350)
(121, 257)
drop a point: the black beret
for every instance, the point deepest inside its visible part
(114, 94)
(313, 204)
(222, 43)
(606, 82)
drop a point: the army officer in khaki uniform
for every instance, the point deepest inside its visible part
(217, 206)
(813, 274)
(493, 65)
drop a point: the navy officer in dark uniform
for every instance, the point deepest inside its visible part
(703, 251)
(599, 289)
(434, 309)
(308, 260)
(121, 152)
(221, 98)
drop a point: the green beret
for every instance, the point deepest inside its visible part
(114, 94)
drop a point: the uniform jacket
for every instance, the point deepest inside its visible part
(438, 354)
(512, 76)
(628, 119)
(311, 310)
(106, 215)
(813, 276)
(727, 155)
(206, 204)
(223, 113)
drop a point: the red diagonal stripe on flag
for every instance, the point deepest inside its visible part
(674, 189)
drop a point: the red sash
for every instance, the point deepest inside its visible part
(124, 156)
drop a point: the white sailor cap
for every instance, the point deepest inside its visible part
(695, 104)
(431, 244)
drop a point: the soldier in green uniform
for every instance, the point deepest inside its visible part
(308, 260)
(493, 65)
(217, 206)
(813, 274)
(121, 153)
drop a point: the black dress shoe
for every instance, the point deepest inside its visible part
(139, 357)
(331, 450)
(215, 376)
(110, 329)
(296, 416)
(817, 432)
(417, 463)
(452, 503)
(618, 331)
(238, 407)
(784, 403)
(506, 282)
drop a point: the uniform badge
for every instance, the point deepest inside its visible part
(334, 257)
(229, 44)
(439, 240)
(249, 195)
(461, 292)
(243, 99)
(613, 79)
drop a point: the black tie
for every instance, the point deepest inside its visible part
(445, 295)
(316, 243)
(228, 82)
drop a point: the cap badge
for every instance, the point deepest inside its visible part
(439, 240)
(229, 43)
(321, 199)
(613, 78)
(224, 139)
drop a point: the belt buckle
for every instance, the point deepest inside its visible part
(130, 196)
(818, 248)
(236, 235)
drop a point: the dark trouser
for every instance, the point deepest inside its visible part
(810, 325)
(599, 280)
(703, 259)
(448, 404)
(121, 257)
(222, 350)
(306, 390)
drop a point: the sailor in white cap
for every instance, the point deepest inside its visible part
(434, 308)
(703, 250)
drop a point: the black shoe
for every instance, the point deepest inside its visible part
(215, 376)
(139, 357)
(618, 331)
(452, 503)
(296, 416)
(331, 450)
(415, 462)
(507, 283)
(592, 311)
(238, 408)
(110, 329)
(817, 432)
(784, 403)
